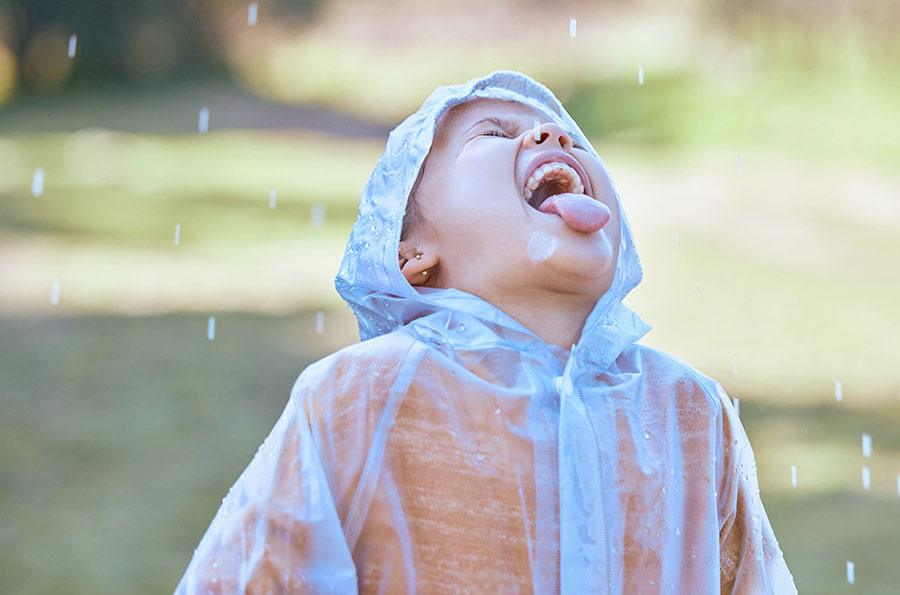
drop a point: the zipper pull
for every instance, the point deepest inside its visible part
(563, 383)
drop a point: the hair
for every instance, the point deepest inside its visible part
(412, 217)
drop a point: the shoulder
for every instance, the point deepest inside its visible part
(356, 374)
(666, 373)
(360, 359)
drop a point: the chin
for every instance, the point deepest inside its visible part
(591, 267)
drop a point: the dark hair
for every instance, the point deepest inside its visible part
(412, 217)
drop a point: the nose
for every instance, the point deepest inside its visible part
(548, 134)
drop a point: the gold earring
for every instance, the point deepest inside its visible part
(418, 257)
(424, 273)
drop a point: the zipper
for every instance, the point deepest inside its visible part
(552, 457)
(606, 549)
(564, 384)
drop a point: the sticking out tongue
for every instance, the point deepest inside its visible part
(579, 211)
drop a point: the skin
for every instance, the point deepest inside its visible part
(476, 224)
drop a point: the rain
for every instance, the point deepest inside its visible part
(107, 151)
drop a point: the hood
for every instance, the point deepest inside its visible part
(370, 280)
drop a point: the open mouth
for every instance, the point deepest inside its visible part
(551, 179)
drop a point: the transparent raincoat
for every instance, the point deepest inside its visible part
(452, 450)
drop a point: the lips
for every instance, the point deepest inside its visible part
(576, 206)
(556, 157)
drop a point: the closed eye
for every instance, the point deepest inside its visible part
(493, 132)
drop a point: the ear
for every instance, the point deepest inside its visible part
(418, 262)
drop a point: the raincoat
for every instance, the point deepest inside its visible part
(452, 450)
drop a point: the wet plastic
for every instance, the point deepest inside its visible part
(452, 450)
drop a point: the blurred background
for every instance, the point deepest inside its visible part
(167, 161)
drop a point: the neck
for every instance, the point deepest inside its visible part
(557, 319)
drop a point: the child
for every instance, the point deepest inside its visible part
(497, 430)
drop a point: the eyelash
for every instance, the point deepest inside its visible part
(499, 133)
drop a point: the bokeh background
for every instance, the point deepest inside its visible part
(757, 159)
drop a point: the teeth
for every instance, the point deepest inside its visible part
(575, 185)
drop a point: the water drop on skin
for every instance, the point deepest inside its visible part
(541, 246)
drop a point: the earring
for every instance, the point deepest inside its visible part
(424, 273)
(418, 257)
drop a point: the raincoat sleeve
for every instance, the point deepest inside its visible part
(751, 562)
(277, 530)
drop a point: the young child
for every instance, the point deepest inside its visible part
(497, 430)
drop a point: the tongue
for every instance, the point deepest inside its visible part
(579, 211)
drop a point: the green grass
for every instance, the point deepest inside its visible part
(123, 426)
(122, 434)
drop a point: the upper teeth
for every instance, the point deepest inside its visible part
(561, 171)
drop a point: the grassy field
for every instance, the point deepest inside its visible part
(123, 425)
(764, 198)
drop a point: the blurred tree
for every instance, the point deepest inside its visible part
(125, 40)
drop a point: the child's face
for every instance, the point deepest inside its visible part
(480, 230)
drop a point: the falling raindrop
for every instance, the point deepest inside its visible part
(251, 14)
(203, 120)
(317, 219)
(737, 406)
(850, 572)
(867, 445)
(697, 291)
(794, 475)
(838, 391)
(273, 194)
(572, 25)
(320, 322)
(37, 182)
(211, 328)
(177, 233)
(640, 75)
(73, 40)
(866, 478)
(54, 293)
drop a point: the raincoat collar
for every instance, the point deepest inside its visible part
(370, 280)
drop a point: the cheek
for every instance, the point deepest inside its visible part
(482, 186)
